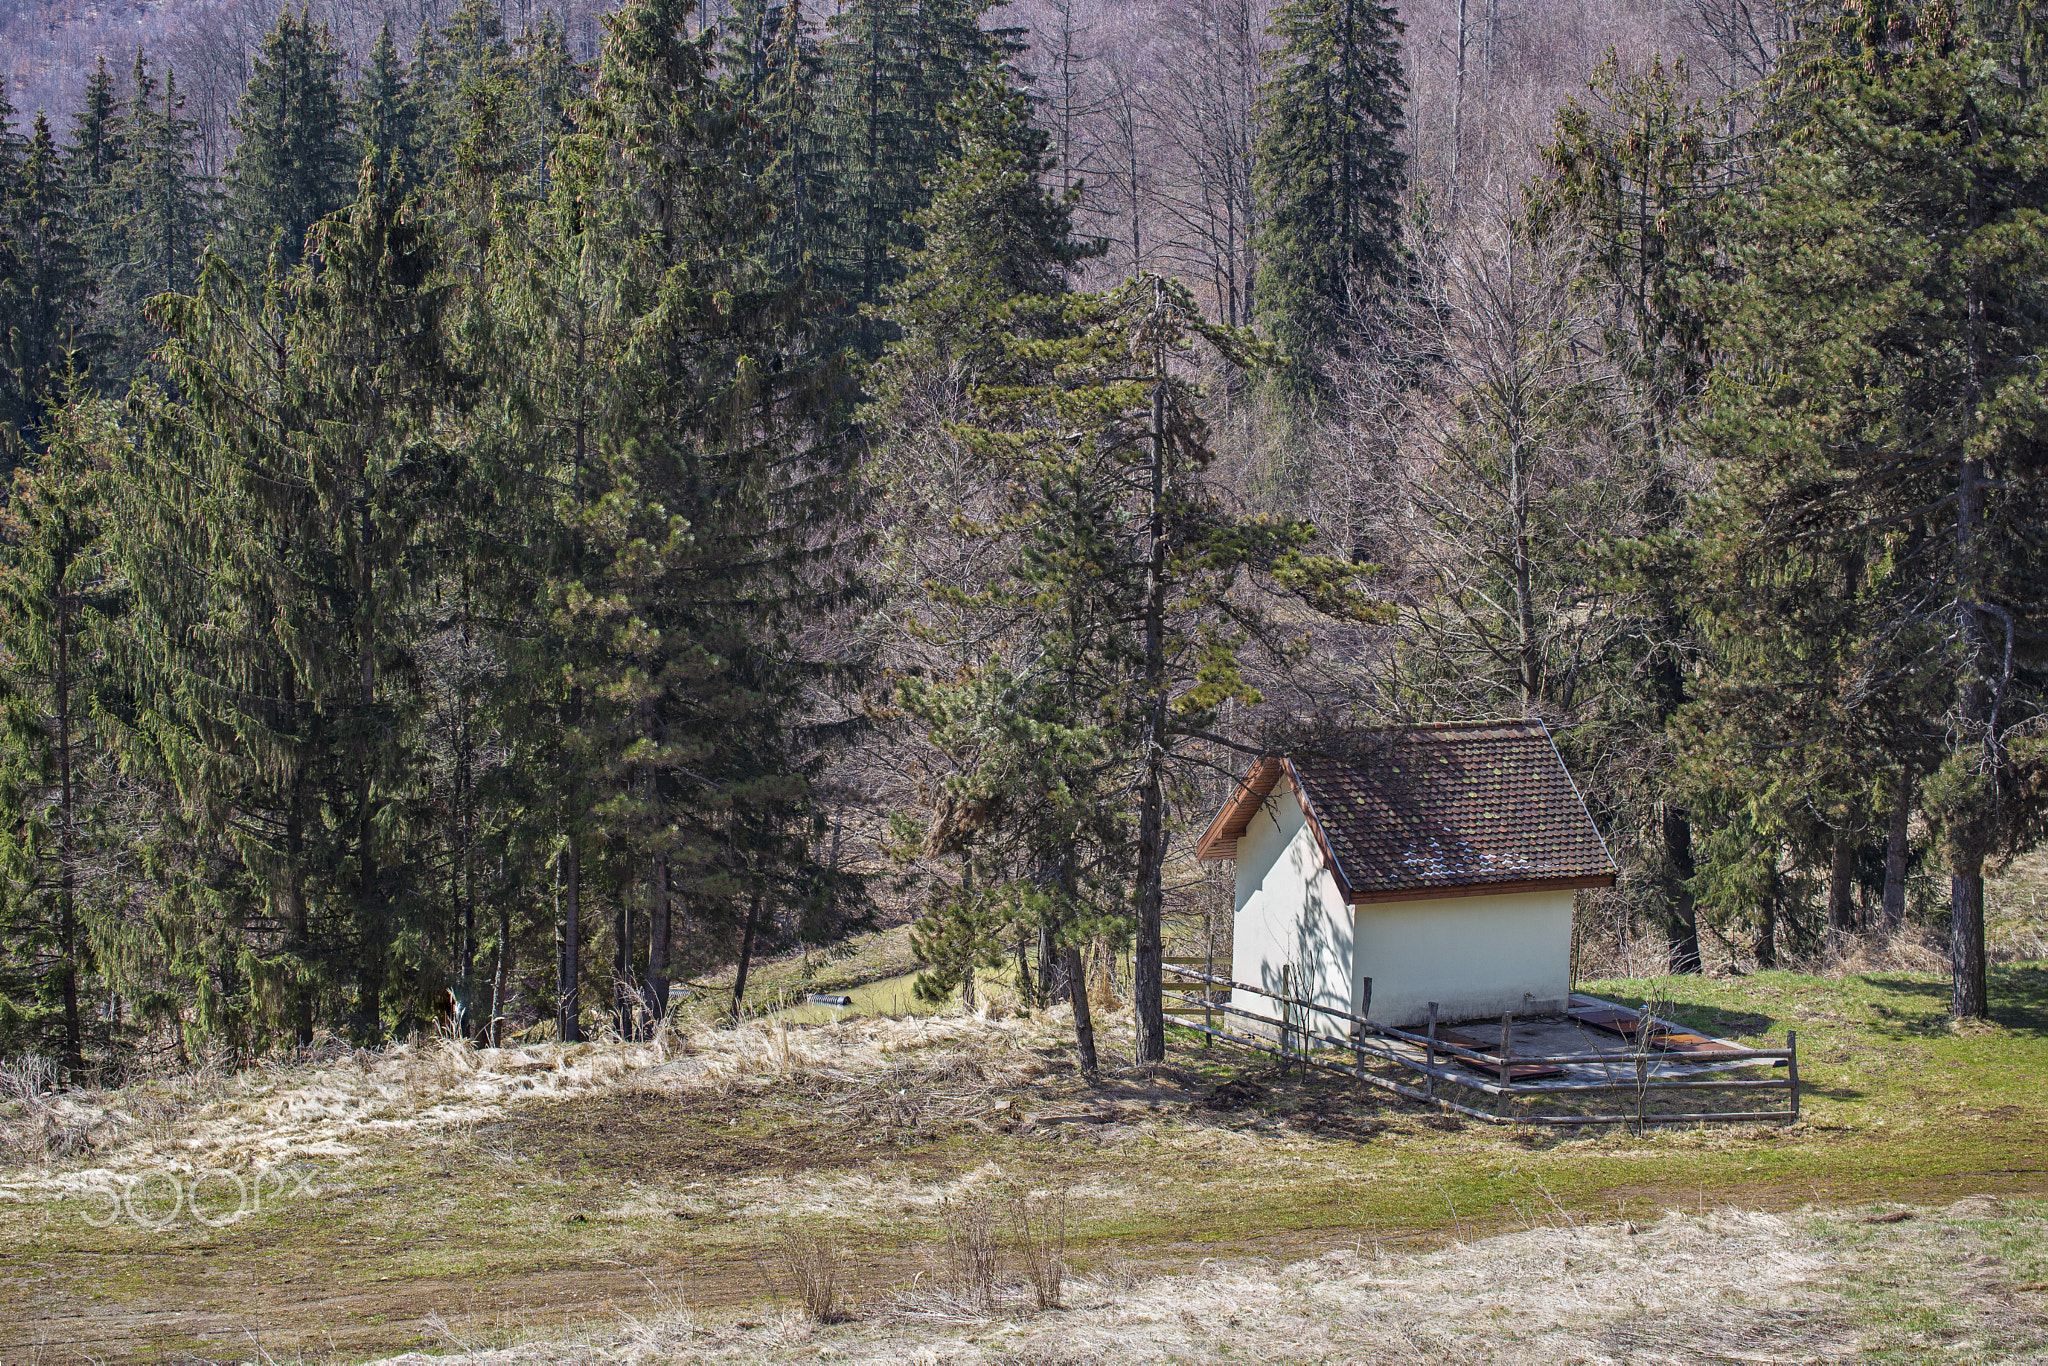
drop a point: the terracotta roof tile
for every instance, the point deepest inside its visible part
(1435, 808)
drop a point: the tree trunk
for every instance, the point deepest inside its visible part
(622, 965)
(657, 944)
(739, 983)
(1967, 997)
(1767, 930)
(569, 977)
(494, 1029)
(1966, 882)
(1841, 890)
(1895, 851)
(1148, 983)
(67, 910)
(1681, 915)
(1084, 1022)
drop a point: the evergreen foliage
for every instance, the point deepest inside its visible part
(464, 570)
(296, 159)
(276, 523)
(57, 596)
(893, 67)
(387, 115)
(1878, 425)
(148, 228)
(1329, 176)
(45, 294)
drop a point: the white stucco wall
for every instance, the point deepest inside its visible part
(1290, 913)
(1473, 955)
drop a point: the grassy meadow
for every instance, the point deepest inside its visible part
(436, 1196)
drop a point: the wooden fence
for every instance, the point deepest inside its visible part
(1491, 1076)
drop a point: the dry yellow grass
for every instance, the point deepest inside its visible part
(1722, 1286)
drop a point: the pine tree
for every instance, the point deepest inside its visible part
(164, 217)
(276, 534)
(1104, 445)
(45, 297)
(1329, 175)
(57, 593)
(1878, 399)
(994, 268)
(894, 66)
(386, 112)
(1044, 856)
(296, 160)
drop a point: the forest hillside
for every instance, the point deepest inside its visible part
(516, 512)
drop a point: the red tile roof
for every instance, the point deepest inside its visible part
(1445, 810)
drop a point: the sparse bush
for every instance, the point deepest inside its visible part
(27, 1077)
(974, 1250)
(1042, 1241)
(812, 1262)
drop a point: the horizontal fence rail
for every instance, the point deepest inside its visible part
(1371, 1039)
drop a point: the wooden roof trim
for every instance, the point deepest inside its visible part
(1219, 841)
(1551, 884)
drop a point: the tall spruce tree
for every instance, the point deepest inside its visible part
(387, 116)
(702, 435)
(1880, 398)
(893, 67)
(45, 295)
(776, 67)
(95, 134)
(55, 597)
(296, 159)
(164, 207)
(1329, 175)
(275, 526)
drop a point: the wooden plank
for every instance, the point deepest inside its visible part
(1531, 1070)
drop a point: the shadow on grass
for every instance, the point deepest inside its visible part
(2019, 997)
(2019, 1002)
(1730, 1024)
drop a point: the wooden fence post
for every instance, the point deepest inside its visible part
(1792, 1070)
(1429, 1057)
(1358, 1030)
(1286, 1013)
(1507, 1045)
(1209, 992)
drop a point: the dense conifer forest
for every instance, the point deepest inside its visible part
(512, 514)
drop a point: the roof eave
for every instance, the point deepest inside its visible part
(1219, 841)
(1462, 889)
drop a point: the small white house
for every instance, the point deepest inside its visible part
(1440, 861)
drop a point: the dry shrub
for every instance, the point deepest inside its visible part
(1042, 1240)
(812, 1262)
(974, 1253)
(27, 1077)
